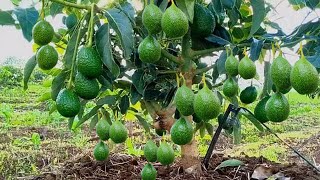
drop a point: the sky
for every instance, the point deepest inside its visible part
(13, 43)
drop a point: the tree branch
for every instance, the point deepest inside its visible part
(186, 46)
(171, 57)
(203, 70)
(66, 3)
(219, 84)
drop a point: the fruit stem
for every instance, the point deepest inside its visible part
(42, 10)
(74, 55)
(204, 80)
(66, 3)
(91, 26)
(301, 51)
(178, 80)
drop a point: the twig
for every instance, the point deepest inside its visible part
(78, 6)
(171, 57)
(203, 70)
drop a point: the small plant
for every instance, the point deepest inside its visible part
(10, 76)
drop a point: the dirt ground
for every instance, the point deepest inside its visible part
(120, 166)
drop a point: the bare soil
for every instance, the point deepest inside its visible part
(120, 166)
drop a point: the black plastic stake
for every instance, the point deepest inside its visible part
(216, 136)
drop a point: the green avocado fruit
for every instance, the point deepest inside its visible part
(184, 100)
(102, 129)
(277, 108)
(181, 132)
(231, 65)
(101, 151)
(149, 50)
(304, 77)
(148, 172)
(206, 104)
(42, 33)
(68, 103)
(174, 22)
(280, 73)
(260, 110)
(203, 21)
(71, 21)
(151, 18)
(249, 95)
(86, 88)
(118, 132)
(165, 154)
(230, 87)
(247, 68)
(89, 62)
(150, 151)
(47, 57)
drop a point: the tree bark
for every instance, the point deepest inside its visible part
(190, 157)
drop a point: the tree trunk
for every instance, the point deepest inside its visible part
(190, 157)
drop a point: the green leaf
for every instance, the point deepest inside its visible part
(259, 13)
(16, 2)
(124, 104)
(109, 100)
(6, 18)
(253, 119)
(216, 39)
(202, 130)
(312, 4)
(70, 123)
(27, 19)
(255, 49)
(106, 83)
(230, 163)
(209, 128)
(234, 16)
(53, 108)
(128, 10)
(72, 44)
(121, 24)
(91, 113)
(55, 8)
(93, 122)
(83, 107)
(44, 97)
(28, 68)
(58, 84)
(103, 44)
(187, 6)
(215, 6)
(137, 80)
(144, 123)
(221, 63)
(135, 96)
(163, 5)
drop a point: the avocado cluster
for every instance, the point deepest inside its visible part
(173, 22)
(117, 132)
(303, 77)
(204, 105)
(163, 154)
(46, 56)
(230, 86)
(86, 86)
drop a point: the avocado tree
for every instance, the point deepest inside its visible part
(117, 55)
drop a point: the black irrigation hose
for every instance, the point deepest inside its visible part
(293, 149)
